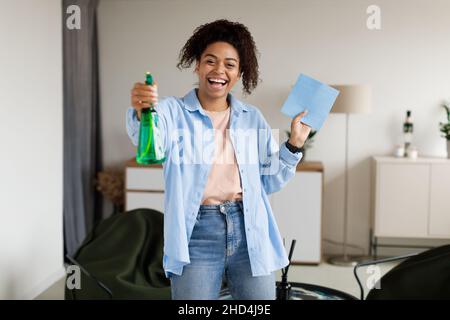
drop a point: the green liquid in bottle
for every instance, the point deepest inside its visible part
(149, 150)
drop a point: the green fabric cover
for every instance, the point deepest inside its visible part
(425, 276)
(125, 253)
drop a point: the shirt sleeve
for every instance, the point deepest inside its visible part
(133, 124)
(278, 165)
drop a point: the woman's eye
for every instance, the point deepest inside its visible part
(230, 65)
(209, 61)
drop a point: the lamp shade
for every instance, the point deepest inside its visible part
(352, 99)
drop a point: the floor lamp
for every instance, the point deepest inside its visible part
(351, 99)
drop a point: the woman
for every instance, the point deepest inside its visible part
(221, 163)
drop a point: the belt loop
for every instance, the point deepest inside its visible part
(222, 208)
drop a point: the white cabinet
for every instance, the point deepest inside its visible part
(411, 198)
(298, 211)
(144, 186)
(150, 200)
(145, 178)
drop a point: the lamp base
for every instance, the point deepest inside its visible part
(347, 260)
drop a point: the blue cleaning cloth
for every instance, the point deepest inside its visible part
(312, 95)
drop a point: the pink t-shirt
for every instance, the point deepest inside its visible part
(224, 182)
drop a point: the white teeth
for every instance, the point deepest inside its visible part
(217, 80)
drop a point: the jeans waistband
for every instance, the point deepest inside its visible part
(227, 204)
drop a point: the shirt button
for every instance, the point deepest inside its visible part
(222, 209)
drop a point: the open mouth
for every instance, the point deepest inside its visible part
(217, 82)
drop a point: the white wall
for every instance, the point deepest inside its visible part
(31, 236)
(406, 62)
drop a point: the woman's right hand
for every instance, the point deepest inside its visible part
(143, 96)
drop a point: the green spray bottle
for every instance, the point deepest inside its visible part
(149, 150)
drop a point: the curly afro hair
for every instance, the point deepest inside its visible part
(234, 33)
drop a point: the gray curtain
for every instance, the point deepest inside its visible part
(82, 158)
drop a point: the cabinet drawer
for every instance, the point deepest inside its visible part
(145, 179)
(150, 200)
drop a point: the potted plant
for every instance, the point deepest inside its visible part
(111, 184)
(445, 127)
(308, 142)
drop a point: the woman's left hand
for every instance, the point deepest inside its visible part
(299, 131)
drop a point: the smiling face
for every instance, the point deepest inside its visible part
(217, 70)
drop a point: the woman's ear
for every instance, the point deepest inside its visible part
(197, 63)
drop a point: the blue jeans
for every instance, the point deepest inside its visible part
(218, 250)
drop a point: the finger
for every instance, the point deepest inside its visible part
(145, 97)
(143, 93)
(139, 91)
(143, 105)
(145, 87)
(149, 88)
(301, 115)
(140, 86)
(139, 103)
(153, 102)
(307, 129)
(153, 87)
(144, 100)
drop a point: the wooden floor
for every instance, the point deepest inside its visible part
(340, 278)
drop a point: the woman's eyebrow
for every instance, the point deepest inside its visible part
(211, 55)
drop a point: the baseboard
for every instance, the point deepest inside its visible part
(45, 284)
(336, 249)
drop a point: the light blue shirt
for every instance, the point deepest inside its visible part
(264, 168)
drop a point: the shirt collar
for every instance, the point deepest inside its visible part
(192, 103)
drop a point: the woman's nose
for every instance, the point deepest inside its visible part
(220, 68)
